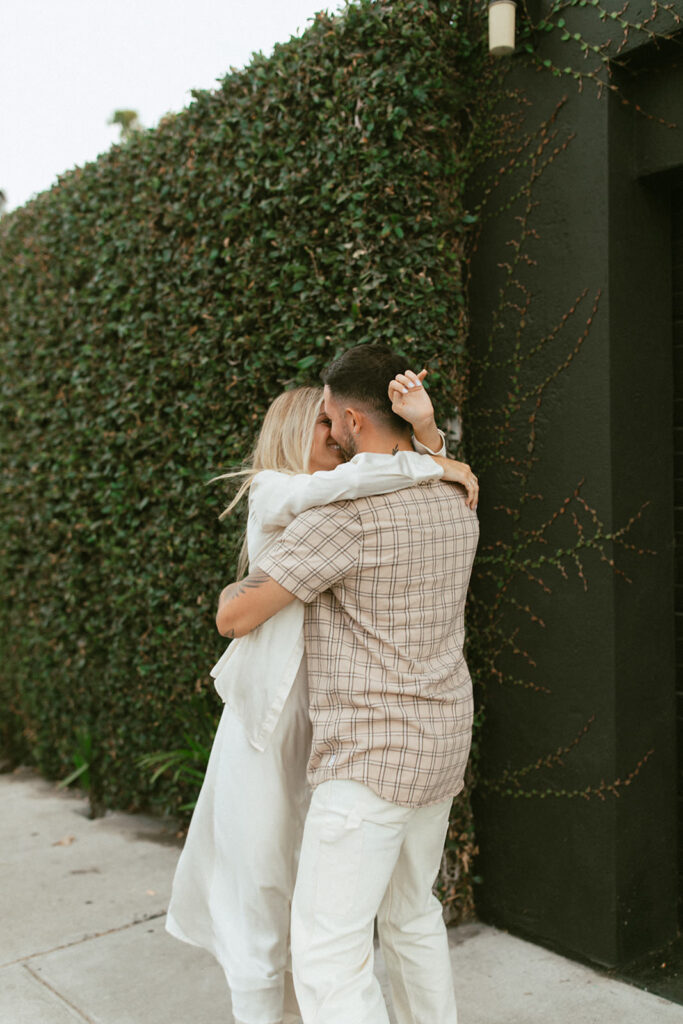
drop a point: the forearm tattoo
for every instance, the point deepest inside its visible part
(251, 582)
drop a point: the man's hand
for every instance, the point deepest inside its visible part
(410, 401)
(245, 605)
(460, 473)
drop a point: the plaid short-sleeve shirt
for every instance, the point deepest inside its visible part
(384, 579)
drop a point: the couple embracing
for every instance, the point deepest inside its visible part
(348, 713)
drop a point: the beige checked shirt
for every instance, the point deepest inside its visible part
(384, 579)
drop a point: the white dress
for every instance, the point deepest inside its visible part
(235, 878)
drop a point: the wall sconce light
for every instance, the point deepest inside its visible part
(501, 27)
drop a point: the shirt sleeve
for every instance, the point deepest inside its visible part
(317, 550)
(276, 499)
(422, 449)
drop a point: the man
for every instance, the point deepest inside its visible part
(384, 580)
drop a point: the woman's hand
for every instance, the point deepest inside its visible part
(410, 401)
(460, 473)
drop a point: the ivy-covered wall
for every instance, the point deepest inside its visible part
(151, 306)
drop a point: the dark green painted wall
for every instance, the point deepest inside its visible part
(593, 878)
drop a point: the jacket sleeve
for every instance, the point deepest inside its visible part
(424, 450)
(275, 499)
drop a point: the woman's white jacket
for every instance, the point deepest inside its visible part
(256, 672)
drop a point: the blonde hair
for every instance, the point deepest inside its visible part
(284, 444)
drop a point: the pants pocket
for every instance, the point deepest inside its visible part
(340, 858)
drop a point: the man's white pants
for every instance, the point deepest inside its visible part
(363, 857)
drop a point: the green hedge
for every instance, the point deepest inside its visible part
(151, 306)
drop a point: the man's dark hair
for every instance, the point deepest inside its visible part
(362, 374)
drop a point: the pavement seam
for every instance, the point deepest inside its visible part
(79, 942)
(59, 995)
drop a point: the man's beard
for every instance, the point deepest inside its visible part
(348, 445)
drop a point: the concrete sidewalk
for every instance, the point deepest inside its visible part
(82, 935)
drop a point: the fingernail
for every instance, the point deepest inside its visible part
(404, 390)
(411, 384)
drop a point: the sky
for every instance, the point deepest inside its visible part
(67, 65)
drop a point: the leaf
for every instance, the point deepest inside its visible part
(66, 841)
(75, 774)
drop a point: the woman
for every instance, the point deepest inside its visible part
(235, 877)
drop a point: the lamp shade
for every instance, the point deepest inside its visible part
(501, 27)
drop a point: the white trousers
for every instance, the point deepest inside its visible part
(361, 857)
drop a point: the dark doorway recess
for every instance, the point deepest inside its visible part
(677, 291)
